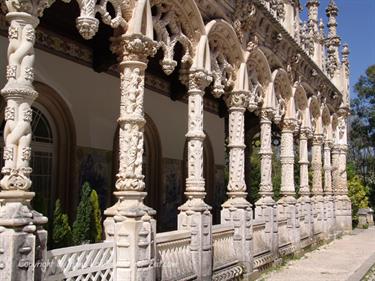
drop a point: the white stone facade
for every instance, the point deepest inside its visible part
(253, 55)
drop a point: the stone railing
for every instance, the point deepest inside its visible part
(262, 251)
(174, 256)
(85, 262)
(305, 226)
(285, 241)
(226, 265)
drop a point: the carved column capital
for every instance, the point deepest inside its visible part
(135, 47)
(289, 125)
(317, 139)
(266, 115)
(305, 133)
(34, 8)
(198, 81)
(237, 100)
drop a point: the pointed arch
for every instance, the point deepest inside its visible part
(259, 69)
(301, 105)
(177, 22)
(226, 57)
(315, 115)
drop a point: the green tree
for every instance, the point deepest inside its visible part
(96, 225)
(82, 224)
(358, 196)
(61, 233)
(362, 138)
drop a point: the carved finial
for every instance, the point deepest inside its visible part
(345, 54)
(312, 9)
(332, 41)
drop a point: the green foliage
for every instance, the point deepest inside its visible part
(276, 173)
(87, 227)
(358, 195)
(254, 172)
(61, 233)
(362, 138)
(96, 225)
(81, 226)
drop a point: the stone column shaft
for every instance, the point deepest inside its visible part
(304, 164)
(237, 210)
(265, 154)
(287, 160)
(316, 165)
(195, 213)
(129, 222)
(266, 206)
(317, 187)
(23, 242)
(327, 168)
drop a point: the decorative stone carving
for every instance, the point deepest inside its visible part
(168, 27)
(332, 40)
(287, 156)
(243, 18)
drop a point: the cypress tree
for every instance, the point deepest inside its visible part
(96, 224)
(61, 233)
(81, 226)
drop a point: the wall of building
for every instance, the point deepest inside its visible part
(93, 101)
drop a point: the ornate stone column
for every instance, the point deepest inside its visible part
(266, 207)
(304, 199)
(23, 242)
(328, 192)
(237, 210)
(342, 201)
(287, 203)
(129, 222)
(317, 187)
(195, 213)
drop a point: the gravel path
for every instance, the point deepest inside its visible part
(345, 259)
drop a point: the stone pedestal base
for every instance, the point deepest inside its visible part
(130, 224)
(195, 215)
(238, 212)
(23, 242)
(287, 208)
(307, 224)
(317, 202)
(266, 209)
(343, 210)
(329, 217)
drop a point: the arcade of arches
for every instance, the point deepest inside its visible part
(173, 110)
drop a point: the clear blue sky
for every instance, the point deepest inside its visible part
(356, 26)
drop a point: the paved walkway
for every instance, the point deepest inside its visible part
(345, 259)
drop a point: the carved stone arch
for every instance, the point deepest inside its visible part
(139, 18)
(226, 57)
(283, 95)
(258, 67)
(177, 22)
(308, 89)
(326, 123)
(315, 114)
(334, 125)
(301, 104)
(274, 61)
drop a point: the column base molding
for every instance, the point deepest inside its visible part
(238, 212)
(195, 216)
